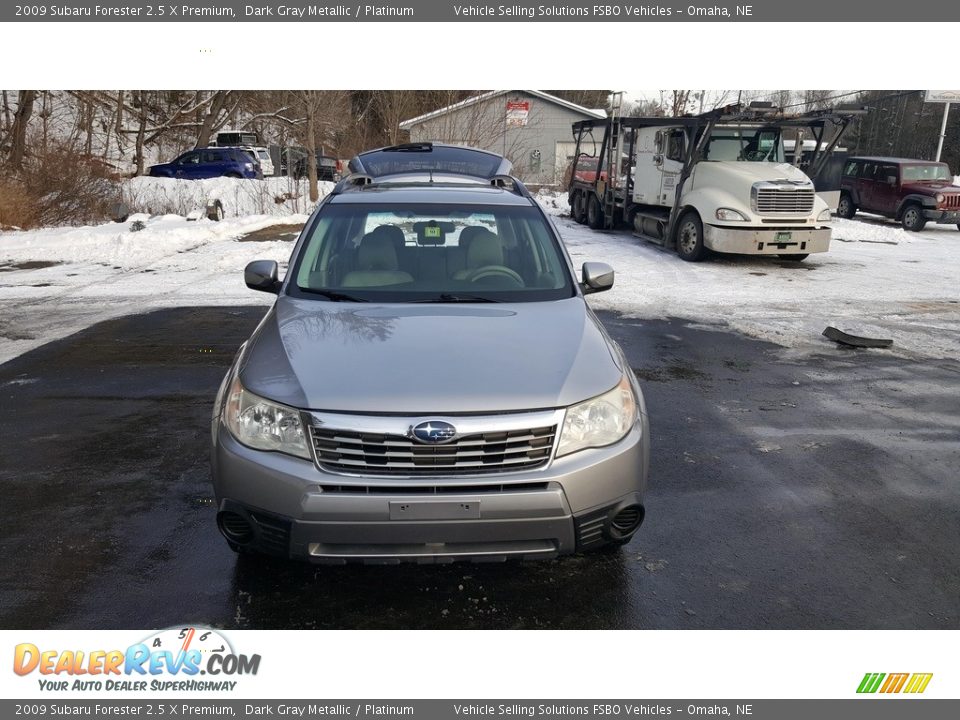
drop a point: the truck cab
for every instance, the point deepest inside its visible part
(719, 182)
(740, 197)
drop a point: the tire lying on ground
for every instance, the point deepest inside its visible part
(215, 210)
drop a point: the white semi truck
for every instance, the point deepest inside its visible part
(719, 181)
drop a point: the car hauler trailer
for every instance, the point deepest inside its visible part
(718, 181)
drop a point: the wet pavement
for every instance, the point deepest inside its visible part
(816, 492)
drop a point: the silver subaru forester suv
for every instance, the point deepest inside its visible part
(430, 384)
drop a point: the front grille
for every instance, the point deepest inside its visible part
(377, 454)
(775, 200)
(952, 202)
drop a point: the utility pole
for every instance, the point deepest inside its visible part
(943, 130)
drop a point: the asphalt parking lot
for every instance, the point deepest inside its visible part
(814, 492)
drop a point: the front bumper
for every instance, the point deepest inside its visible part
(773, 241)
(289, 507)
(942, 217)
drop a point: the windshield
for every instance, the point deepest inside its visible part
(926, 172)
(431, 253)
(745, 145)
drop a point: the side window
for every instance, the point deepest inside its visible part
(868, 170)
(211, 157)
(192, 158)
(887, 174)
(850, 170)
(675, 143)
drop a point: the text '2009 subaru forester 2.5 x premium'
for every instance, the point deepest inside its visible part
(430, 384)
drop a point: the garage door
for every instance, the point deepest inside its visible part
(565, 150)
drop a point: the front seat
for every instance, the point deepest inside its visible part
(377, 264)
(483, 249)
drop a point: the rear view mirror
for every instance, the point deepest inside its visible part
(597, 277)
(262, 275)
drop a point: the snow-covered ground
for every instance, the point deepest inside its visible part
(877, 280)
(97, 273)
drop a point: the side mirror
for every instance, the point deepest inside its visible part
(262, 275)
(597, 277)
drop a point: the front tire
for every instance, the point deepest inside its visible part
(913, 219)
(579, 208)
(594, 213)
(690, 245)
(845, 208)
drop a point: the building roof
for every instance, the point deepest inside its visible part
(407, 124)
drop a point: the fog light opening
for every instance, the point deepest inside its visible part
(626, 521)
(235, 527)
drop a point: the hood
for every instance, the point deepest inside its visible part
(931, 187)
(428, 359)
(749, 172)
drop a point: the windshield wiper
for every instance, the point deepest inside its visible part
(333, 295)
(451, 298)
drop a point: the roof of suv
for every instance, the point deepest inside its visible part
(433, 173)
(430, 157)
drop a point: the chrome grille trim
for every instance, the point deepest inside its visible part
(368, 446)
(773, 198)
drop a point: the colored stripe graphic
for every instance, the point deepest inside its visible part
(918, 682)
(894, 683)
(870, 682)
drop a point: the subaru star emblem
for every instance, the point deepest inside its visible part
(434, 432)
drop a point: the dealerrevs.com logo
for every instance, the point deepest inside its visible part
(911, 683)
(171, 659)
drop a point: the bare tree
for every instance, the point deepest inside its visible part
(218, 109)
(18, 132)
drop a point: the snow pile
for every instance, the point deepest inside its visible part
(281, 196)
(119, 247)
(553, 202)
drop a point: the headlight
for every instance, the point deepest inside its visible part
(730, 214)
(824, 215)
(600, 421)
(940, 199)
(248, 166)
(263, 425)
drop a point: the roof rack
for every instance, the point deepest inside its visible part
(360, 181)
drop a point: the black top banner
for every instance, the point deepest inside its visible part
(457, 11)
